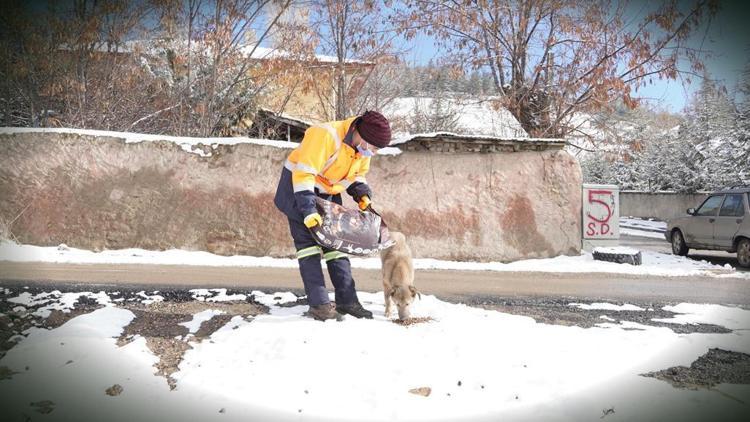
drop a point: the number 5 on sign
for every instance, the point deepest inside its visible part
(601, 212)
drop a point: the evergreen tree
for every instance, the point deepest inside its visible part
(710, 128)
(742, 130)
(710, 149)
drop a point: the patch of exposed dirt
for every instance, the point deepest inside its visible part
(209, 327)
(159, 323)
(114, 390)
(16, 319)
(57, 318)
(559, 312)
(715, 367)
(301, 301)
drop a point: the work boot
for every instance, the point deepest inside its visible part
(324, 312)
(354, 309)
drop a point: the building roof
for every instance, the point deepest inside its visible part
(279, 126)
(265, 53)
(453, 142)
(250, 51)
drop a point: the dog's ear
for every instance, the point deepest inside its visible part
(393, 291)
(415, 292)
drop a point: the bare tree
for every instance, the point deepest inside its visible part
(352, 31)
(381, 86)
(160, 66)
(552, 58)
(212, 54)
(67, 62)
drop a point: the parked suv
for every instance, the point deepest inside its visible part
(722, 222)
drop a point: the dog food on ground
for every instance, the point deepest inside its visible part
(411, 321)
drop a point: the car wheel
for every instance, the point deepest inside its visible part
(678, 244)
(743, 253)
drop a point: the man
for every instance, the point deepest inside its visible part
(331, 158)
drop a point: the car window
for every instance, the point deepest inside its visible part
(710, 206)
(732, 206)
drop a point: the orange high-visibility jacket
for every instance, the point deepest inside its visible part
(325, 161)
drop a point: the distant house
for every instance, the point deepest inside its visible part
(300, 89)
(305, 89)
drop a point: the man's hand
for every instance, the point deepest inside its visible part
(313, 220)
(364, 202)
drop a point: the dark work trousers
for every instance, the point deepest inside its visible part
(339, 268)
(309, 253)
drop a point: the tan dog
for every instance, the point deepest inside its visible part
(398, 277)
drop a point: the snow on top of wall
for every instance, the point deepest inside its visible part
(192, 145)
(473, 116)
(188, 144)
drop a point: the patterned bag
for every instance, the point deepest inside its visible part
(351, 231)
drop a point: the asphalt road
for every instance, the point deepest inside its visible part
(464, 286)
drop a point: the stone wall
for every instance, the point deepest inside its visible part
(99, 192)
(660, 205)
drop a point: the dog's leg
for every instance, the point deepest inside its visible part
(387, 295)
(387, 270)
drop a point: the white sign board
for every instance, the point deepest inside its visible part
(601, 212)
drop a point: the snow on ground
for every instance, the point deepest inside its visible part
(215, 295)
(56, 300)
(654, 263)
(643, 224)
(732, 318)
(195, 324)
(644, 228)
(624, 250)
(478, 364)
(642, 233)
(148, 299)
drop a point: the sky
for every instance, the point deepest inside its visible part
(726, 38)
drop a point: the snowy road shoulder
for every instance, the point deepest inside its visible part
(654, 263)
(639, 227)
(253, 354)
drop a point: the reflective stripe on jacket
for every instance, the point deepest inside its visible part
(325, 161)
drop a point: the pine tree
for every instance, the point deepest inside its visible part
(742, 130)
(711, 117)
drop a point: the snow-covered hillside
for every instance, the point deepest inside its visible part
(467, 116)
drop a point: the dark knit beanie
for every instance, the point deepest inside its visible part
(374, 129)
